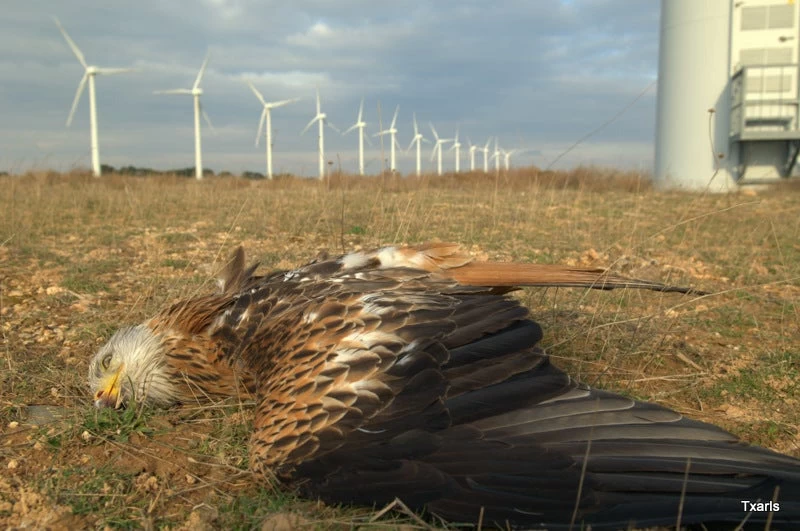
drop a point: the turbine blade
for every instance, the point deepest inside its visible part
(281, 103)
(173, 91)
(433, 153)
(77, 51)
(207, 119)
(416, 129)
(369, 142)
(433, 130)
(350, 128)
(200, 73)
(111, 71)
(394, 120)
(360, 110)
(326, 122)
(306, 128)
(77, 98)
(257, 93)
(261, 124)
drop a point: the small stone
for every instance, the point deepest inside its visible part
(13, 424)
(86, 436)
(12, 464)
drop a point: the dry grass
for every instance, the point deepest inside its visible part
(81, 257)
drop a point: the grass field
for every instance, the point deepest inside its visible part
(80, 257)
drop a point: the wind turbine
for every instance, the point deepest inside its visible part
(195, 92)
(496, 156)
(266, 116)
(392, 131)
(485, 151)
(322, 119)
(360, 125)
(507, 157)
(472, 149)
(437, 147)
(418, 138)
(457, 148)
(89, 74)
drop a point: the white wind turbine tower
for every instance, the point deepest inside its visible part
(360, 125)
(437, 147)
(485, 151)
(266, 116)
(472, 149)
(418, 138)
(457, 148)
(392, 132)
(322, 119)
(89, 74)
(195, 92)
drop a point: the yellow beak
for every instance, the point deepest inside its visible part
(109, 393)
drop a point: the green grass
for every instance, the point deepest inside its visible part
(175, 263)
(119, 425)
(87, 489)
(758, 380)
(247, 511)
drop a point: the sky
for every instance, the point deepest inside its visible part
(536, 75)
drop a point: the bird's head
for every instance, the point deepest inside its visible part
(130, 366)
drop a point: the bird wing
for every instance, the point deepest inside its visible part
(450, 261)
(376, 380)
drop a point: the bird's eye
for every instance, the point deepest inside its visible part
(106, 361)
